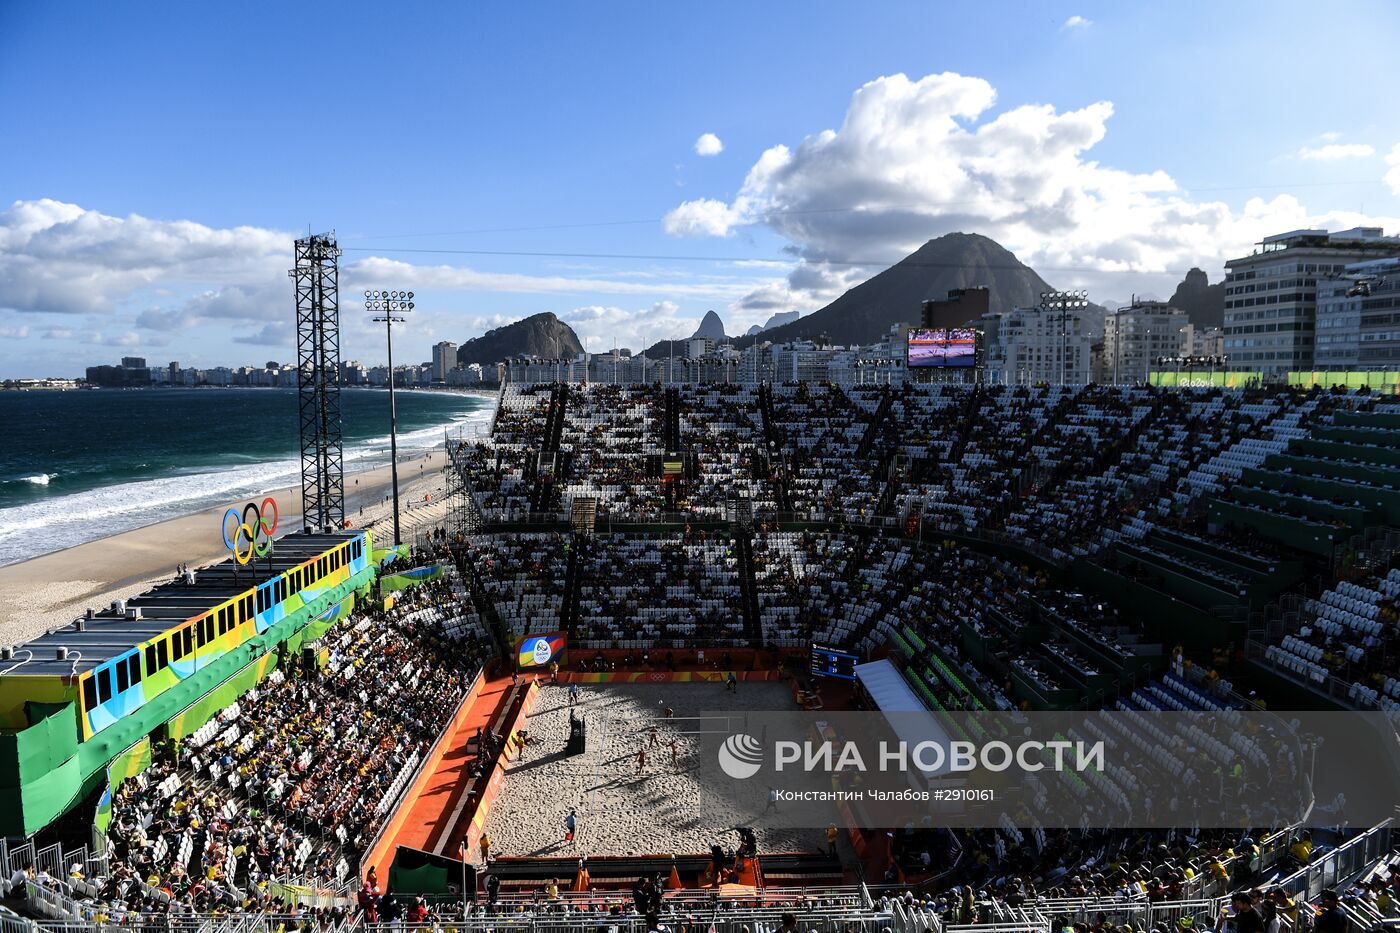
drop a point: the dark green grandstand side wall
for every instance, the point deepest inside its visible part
(1168, 619)
(44, 771)
(1225, 557)
(1367, 473)
(1324, 512)
(1384, 501)
(1184, 586)
(1358, 434)
(1369, 419)
(1336, 450)
(1299, 533)
(1285, 693)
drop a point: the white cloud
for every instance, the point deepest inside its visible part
(915, 159)
(704, 217)
(125, 339)
(270, 335)
(376, 269)
(61, 258)
(1077, 22)
(708, 145)
(600, 326)
(140, 281)
(14, 333)
(1334, 151)
(1392, 175)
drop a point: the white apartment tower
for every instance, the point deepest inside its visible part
(444, 360)
(1135, 337)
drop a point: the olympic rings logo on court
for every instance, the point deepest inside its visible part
(256, 531)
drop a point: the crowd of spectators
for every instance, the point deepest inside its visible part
(291, 782)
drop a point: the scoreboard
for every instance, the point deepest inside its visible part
(828, 662)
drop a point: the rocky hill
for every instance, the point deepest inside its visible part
(956, 260)
(541, 335)
(1203, 302)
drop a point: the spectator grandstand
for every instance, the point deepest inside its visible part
(1120, 550)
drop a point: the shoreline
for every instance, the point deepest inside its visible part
(49, 590)
(207, 486)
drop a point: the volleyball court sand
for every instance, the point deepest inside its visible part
(659, 811)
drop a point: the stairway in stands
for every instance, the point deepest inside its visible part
(671, 427)
(485, 606)
(549, 458)
(554, 422)
(748, 586)
(573, 586)
(872, 430)
(885, 473)
(966, 423)
(776, 457)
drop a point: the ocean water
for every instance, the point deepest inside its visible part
(78, 466)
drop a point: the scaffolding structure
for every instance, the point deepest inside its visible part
(317, 280)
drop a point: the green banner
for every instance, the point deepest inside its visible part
(384, 556)
(188, 720)
(1375, 380)
(1210, 379)
(393, 582)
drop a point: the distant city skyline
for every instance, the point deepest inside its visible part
(627, 176)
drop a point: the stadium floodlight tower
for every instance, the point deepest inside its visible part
(1066, 305)
(391, 306)
(316, 277)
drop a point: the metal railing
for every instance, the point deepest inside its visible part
(1339, 864)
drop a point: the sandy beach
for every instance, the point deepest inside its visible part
(51, 590)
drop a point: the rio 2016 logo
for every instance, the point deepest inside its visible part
(740, 756)
(541, 651)
(253, 527)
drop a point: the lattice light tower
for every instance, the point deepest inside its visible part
(317, 278)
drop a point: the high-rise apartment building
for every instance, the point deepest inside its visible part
(1136, 336)
(1271, 295)
(444, 360)
(1358, 317)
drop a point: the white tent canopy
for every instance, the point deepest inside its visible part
(894, 697)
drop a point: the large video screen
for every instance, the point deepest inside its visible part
(942, 347)
(540, 650)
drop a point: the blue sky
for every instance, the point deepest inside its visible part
(156, 159)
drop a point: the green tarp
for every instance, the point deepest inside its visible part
(31, 754)
(1201, 380)
(1345, 378)
(393, 582)
(188, 720)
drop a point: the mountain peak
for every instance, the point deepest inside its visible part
(542, 335)
(776, 320)
(711, 325)
(865, 313)
(1203, 302)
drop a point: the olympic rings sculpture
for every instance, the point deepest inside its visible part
(256, 530)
